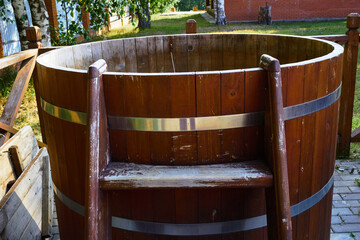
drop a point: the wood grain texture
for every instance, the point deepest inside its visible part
(21, 206)
(26, 142)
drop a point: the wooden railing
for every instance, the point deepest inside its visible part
(26, 60)
(351, 42)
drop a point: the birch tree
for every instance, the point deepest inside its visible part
(220, 18)
(22, 21)
(40, 18)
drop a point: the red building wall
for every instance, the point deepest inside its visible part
(247, 10)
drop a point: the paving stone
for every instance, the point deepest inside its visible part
(346, 228)
(350, 219)
(345, 184)
(355, 189)
(56, 237)
(337, 178)
(341, 211)
(337, 197)
(342, 236)
(348, 203)
(341, 190)
(336, 220)
(349, 177)
(355, 210)
(353, 196)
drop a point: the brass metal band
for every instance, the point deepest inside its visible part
(197, 229)
(194, 123)
(63, 113)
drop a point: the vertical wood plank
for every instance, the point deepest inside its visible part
(216, 54)
(293, 133)
(114, 55)
(136, 105)
(208, 103)
(114, 97)
(180, 54)
(240, 51)
(307, 148)
(183, 104)
(254, 102)
(167, 51)
(204, 48)
(193, 53)
(232, 102)
(208, 95)
(251, 51)
(184, 144)
(160, 57)
(142, 55)
(228, 48)
(232, 147)
(130, 55)
(318, 165)
(97, 52)
(152, 54)
(254, 203)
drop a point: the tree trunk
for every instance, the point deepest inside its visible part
(144, 14)
(220, 18)
(22, 21)
(40, 18)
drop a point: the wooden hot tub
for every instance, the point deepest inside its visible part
(191, 76)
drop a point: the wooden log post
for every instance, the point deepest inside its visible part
(1, 47)
(33, 35)
(191, 26)
(85, 19)
(348, 84)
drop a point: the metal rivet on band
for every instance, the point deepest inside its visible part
(198, 229)
(194, 123)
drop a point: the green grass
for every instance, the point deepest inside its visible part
(175, 24)
(27, 114)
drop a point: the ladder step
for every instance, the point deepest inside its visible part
(249, 174)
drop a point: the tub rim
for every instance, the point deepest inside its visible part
(337, 50)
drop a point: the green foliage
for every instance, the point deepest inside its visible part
(357, 180)
(3, 11)
(6, 81)
(187, 5)
(161, 6)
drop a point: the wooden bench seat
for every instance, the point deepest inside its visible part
(120, 175)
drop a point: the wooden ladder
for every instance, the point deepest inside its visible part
(104, 175)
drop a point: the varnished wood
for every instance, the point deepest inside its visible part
(148, 88)
(348, 87)
(191, 26)
(1, 47)
(275, 114)
(98, 218)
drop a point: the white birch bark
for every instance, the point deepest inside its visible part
(220, 18)
(22, 21)
(40, 18)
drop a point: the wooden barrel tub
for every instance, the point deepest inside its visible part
(189, 76)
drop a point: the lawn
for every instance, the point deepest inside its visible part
(175, 24)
